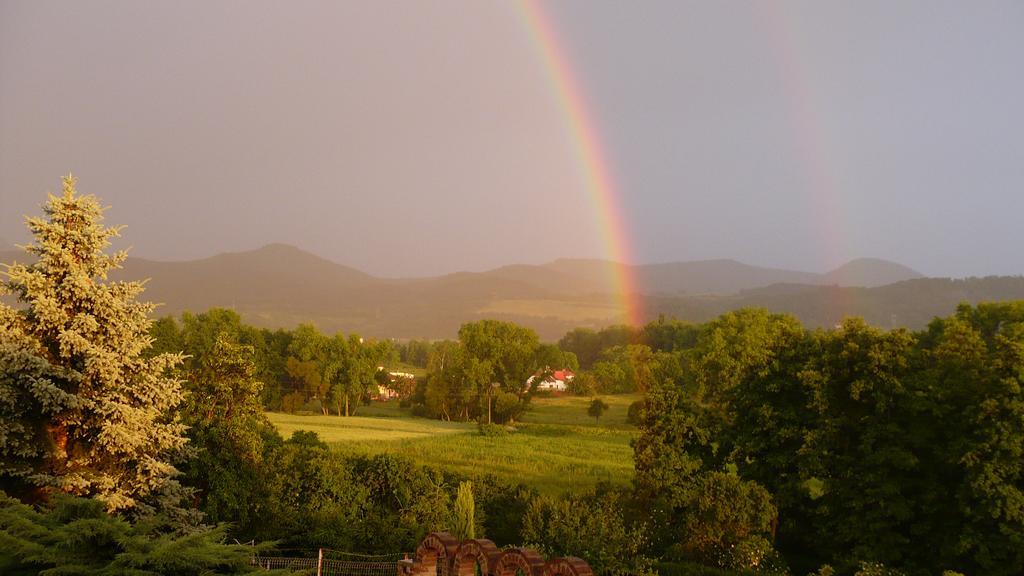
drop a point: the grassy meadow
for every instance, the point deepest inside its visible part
(556, 447)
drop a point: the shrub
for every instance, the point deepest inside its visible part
(507, 407)
(77, 536)
(635, 414)
(591, 526)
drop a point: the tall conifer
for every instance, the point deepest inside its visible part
(82, 410)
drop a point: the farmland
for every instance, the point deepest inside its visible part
(556, 448)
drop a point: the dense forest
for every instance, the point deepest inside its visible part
(137, 446)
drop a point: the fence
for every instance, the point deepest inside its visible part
(327, 562)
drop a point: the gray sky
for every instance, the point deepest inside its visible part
(411, 138)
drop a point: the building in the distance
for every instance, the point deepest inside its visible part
(556, 381)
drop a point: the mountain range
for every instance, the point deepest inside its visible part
(280, 286)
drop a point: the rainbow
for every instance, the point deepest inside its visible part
(815, 150)
(596, 171)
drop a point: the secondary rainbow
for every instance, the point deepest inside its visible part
(587, 148)
(816, 152)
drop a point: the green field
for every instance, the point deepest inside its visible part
(556, 448)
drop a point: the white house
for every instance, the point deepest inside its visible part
(556, 381)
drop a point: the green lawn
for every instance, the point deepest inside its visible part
(338, 430)
(556, 448)
(572, 410)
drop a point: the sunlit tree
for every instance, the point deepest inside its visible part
(73, 374)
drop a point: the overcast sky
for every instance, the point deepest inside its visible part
(413, 138)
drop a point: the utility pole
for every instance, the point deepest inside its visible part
(320, 563)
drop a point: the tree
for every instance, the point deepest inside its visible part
(978, 357)
(591, 525)
(230, 430)
(551, 356)
(509, 350)
(670, 335)
(860, 443)
(442, 394)
(464, 516)
(507, 407)
(306, 363)
(627, 368)
(736, 345)
(108, 430)
(457, 383)
(725, 512)
(597, 409)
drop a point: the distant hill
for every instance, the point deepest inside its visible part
(909, 304)
(281, 286)
(869, 273)
(579, 277)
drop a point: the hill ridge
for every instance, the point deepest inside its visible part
(280, 285)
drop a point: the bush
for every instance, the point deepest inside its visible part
(77, 536)
(507, 407)
(635, 415)
(591, 526)
(755, 554)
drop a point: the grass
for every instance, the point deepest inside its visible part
(557, 447)
(334, 429)
(572, 410)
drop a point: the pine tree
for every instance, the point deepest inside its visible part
(82, 410)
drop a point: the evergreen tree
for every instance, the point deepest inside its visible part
(76, 536)
(74, 381)
(464, 517)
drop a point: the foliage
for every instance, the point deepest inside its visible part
(509, 350)
(635, 415)
(231, 435)
(584, 384)
(507, 407)
(670, 335)
(464, 512)
(77, 536)
(588, 345)
(624, 369)
(875, 446)
(591, 526)
(89, 413)
(597, 408)
(724, 513)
